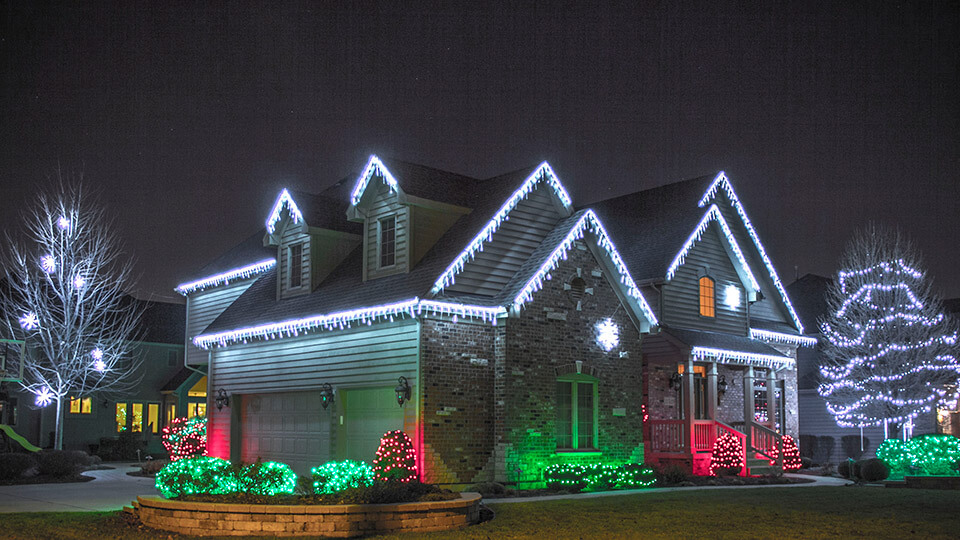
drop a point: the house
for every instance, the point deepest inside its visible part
(164, 391)
(499, 325)
(820, 436)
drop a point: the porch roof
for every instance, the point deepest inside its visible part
(729, 349)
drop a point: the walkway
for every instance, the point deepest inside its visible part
(111, 490)
(817, 481)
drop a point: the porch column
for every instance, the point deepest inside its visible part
(712, 396)
(748, 403)
(771, 397)
(688, 413)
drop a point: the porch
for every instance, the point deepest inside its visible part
(685, 383)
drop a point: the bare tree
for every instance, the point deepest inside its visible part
(890, 354)
(65, 298)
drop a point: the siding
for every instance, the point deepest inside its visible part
(205, 306)
(291, 236)
(681, 295)
(490, 270)
(383, 205)
(362, 357)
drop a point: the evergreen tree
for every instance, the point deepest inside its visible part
(727, 457)
(889, 353)
(396, 459)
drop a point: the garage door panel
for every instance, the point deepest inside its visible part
(289, 428)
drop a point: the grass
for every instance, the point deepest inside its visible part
(782, 513)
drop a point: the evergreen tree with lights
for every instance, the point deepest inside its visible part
(791, 454)
(64, 297)
(396, 459)
(727, 457)
(889, 352)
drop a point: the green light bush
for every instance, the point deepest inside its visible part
(336, 476)
(270, 478)
(198, 475)
(598, 477)
(636, 475)
(934, 455)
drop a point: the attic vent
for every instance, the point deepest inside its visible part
(578, 288)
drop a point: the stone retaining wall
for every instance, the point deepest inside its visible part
(342, 520)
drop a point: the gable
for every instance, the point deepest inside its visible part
(534, 212)
(284, 207)
(708, 256)
(779, 306)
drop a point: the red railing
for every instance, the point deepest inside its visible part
(666, 436)
(704, 435)
(767, 443)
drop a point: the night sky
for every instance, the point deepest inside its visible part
(189, 118)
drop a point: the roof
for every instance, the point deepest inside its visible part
(345, 289)
(649, 226)
(177, 380)
(249, 251)
(727, 342)
(324, 212)
(163, 322)
(809, 297)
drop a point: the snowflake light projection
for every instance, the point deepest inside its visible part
(48, 263)
(608, 334)
(79, 281)
(63, 223)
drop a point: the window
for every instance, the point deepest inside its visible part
(296, 265)
(137, 424)
(388, 241)
(196, 409)
(699, 392)
(171, 413)
(173, 358)
(577, 413)
(707, 297)
(121, 417)
(8, 412)
(81, 405)
(153, 417)
(760, 403)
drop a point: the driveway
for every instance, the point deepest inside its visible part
(111, 490)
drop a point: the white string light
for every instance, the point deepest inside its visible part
(29, 321)
(226, 277)
(608, 334)
(779, 337)
(44, 397)
(374, 167)
(713, 214)
(284, 200)
(725, 356)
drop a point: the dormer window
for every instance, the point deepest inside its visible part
(707, 297)
(387, 241)
(296, 265)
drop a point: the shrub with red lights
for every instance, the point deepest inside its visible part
(396, 459)
(791, 454)
(185, 438)
(727, 457)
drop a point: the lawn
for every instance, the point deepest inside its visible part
(782, 513)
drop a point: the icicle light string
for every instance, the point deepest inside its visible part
(284, 200)
(713, 214)
(226, 277)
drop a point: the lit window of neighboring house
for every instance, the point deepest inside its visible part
(388, 241)
(137, 424)
(296, 265)
(576, 413)
(81, 405)
(707, 297)
(121, 417)
(153, 417)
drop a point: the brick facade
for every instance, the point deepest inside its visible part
(489, 392)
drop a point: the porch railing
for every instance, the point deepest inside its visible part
(766, 442)
(666, 436)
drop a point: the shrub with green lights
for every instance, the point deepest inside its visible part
(396, 459)
(336, 476)
(270, 478)
(598, 477)
(208, 475)
(185, 437)
(934, 455)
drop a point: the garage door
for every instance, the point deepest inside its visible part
(368, 414)
(288, 427)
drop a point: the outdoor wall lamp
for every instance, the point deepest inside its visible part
(402, 390)
(722, 385)
(222, 399)
(326, 395)
(675, 380)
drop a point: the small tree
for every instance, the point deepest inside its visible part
(890, 353)
(65, 298)
(185, 438)
(396, 459)
(727, 457)
(791, 454)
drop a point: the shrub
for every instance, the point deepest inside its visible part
(197, 475)
(396, 459)
(808, 446)
(123, 447)
(874, 470)
(727, 456)
(636, 475)
(934, 454)
(489, 488)
(185, 438)
(791, 455)
(58, 463)
(671, 475)
(824, 451)
(805, 462)
(851, 446)
(334, 476)
(843, 469)
(13, 465)
(565, 476)
(152, 467)
(270, 478)
(893, 452)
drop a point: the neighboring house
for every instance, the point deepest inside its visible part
(820, 436)
(166, 389)
(494, 322)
